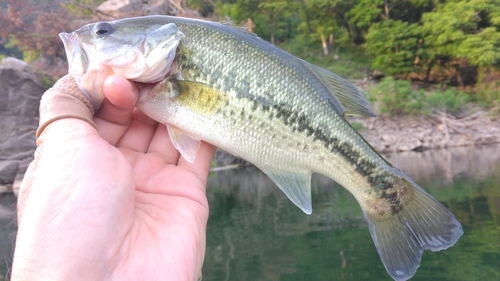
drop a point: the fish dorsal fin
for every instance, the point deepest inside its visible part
(296, 186)
(351, 100)
(185, 144)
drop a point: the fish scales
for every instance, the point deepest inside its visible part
(286, 116)
(315, 119)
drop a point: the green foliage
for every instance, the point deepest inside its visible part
(427, 40)
(396, 97)
(488, 94)
(358, 126)
(82, 7)
(28, 55)
(464, 29)
(366, 12)
(453, 33)
(395, 45)
(350, 63)
(206, 8)
(450, 100)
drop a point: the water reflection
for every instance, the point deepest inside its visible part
(255, 233)
(445, 165)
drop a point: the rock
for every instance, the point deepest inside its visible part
(8, 171)
(388, 138)
(408, 144)
(19, 101)
(21, 68)
(423, 134)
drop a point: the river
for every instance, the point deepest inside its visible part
(255, 233)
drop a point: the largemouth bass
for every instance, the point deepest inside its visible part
(216, 83)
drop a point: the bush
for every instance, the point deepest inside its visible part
(450, 100)
(396, 97)
(488, 94)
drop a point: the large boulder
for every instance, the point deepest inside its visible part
(20, 94)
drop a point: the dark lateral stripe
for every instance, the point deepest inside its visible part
(299, 122)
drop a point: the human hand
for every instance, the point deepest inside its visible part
(116, 203)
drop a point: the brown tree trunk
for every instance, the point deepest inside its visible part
(324, 43)
(386, 9)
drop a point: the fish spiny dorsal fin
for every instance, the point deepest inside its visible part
(296, 186)
(351, 100)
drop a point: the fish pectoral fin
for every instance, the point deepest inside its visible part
(347, 98)
(296, 186)
(185, 144)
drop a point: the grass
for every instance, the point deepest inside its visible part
(358, 126)
(398, 97)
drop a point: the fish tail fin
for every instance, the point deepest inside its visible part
(421, 223)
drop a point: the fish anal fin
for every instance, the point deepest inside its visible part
(421, 224)
(347, 98)
(296, 186)
(185, 144)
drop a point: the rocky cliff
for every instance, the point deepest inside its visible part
(20, 93)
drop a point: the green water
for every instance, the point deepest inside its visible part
(256, 233)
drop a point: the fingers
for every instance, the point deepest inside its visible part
(115, 115)
(162, 146)
(124, 127)
(139, 133)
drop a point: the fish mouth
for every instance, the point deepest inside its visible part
(77, 60)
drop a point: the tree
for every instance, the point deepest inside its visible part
(272, 18)
(448, 43)
(324, 20)
(396, 46)
(33, 27)
(465, 29)
(272, 9)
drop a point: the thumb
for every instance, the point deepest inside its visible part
(64, 100)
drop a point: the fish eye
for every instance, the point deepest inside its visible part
(103, 28)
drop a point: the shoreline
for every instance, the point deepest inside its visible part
(436, 131)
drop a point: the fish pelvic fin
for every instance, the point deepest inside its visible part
(185, 144)
(296, 186)
(419, 224)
